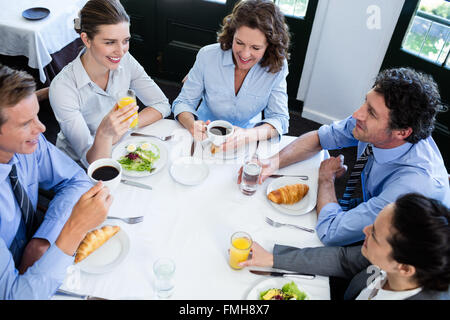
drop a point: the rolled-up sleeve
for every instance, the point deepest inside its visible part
(147, 90)
(277, 112)
(192, 91)
(338, 134)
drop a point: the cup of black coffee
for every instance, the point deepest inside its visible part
(219, 131)
(107, 170)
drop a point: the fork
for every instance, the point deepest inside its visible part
(130, 220)
(278, 224)
(153, 136)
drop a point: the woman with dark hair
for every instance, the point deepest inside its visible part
(84, 94)
(241, 76)
(409, 243)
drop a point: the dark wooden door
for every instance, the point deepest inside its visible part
(167, 34)
(398, 57)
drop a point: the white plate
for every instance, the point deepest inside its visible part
(108, 256)
(189, 171)
(303, 206)
(271, 283)
(121, 150)
(229, 154)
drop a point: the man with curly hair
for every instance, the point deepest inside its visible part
(392, 130)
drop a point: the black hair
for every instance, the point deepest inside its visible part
(412, 98)
(421, 239)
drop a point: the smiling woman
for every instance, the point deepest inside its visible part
(240, 77)
(84, 95)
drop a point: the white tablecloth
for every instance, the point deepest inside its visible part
(37, 39)
(193, 225)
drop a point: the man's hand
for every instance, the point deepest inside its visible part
(90, 211)
(260, 257)
(32, 253)
(269, 167)
(332, 168)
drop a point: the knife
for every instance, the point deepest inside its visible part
(136, 184)
(284, 274)
(289, 175)
(65, 293)
(193, 148)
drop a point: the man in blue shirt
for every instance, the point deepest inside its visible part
(34, 268)
(396, 120)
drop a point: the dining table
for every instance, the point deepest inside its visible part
(39, 39)
(193, 225)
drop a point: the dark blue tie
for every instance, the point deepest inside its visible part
(355, 178)
(25, 205)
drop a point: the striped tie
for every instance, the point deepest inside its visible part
(28, 215)
(355, 178)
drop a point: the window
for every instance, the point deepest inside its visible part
(428, 35)
(295, 8)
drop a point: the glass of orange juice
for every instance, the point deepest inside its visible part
(241, 243)
(125, 98)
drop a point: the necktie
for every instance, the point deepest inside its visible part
(355, 178)
(28, 215)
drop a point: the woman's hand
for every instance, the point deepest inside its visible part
(198, 130)
(239, 138)
(117, 122)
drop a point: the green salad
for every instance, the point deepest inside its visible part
(140, 158)
(289, 291)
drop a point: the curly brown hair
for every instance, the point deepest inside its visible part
(413, 100)
(265, 16)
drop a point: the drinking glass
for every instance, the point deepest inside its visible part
(241, 243)
(124, 99)
(251, 171)
(164, 270)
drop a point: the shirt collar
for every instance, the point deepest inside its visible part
(386, 155)
(5, 168)
(81, 76)
(227, 57)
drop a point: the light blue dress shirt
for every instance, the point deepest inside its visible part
(387, 175)
(46, 168)
(212, 80)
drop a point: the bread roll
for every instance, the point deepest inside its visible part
(94, 240)
(289, 194)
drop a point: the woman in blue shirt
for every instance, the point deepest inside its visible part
(240, 77)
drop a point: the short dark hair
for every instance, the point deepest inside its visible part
(14, 86)
(268, 18)
(412, 98)
(421, 238)
(99, 12)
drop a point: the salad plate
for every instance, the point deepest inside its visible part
(141, 157)
(287, 286)
(108, 256)
(303, 206)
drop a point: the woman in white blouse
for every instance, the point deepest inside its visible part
(83, 95)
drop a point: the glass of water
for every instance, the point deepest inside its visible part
(251, 171)
(164, 270)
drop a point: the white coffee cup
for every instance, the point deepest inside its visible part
(106, 162)
(218, 137)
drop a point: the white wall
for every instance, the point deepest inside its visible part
(348, 42)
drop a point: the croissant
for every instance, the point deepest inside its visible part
(94, 240)
(289, 194)
(214, 148)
